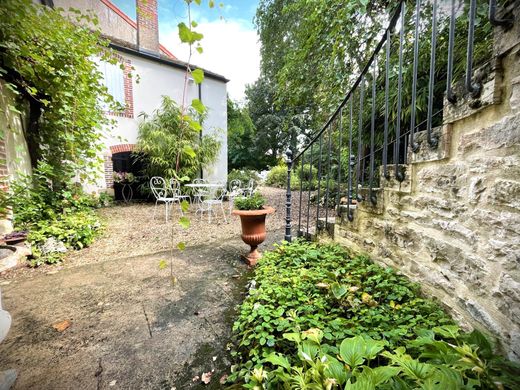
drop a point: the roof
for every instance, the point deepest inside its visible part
(129, 48)
(132, 23)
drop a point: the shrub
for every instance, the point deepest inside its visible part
(244, 175)
(67, 214)
(277, 177)
(309, 298)
(75, 231)
(254, 202)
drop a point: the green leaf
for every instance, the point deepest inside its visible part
(198, 75)
(181, 246)
(184, 33)
(198, 106)
(362, 383)
(410, 367)
(195, 126)
(211, 3)
(278, 359)
(382, 374)
(184, 222)
(163, 264)
(336, 370)
(352, 351)
(292, 337)
(199, 49)
(185, 205)
(187, 35)
(338, 290)
(187, 149)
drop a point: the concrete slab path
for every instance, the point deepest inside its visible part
(130, 328)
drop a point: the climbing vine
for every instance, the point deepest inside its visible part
(47, 59)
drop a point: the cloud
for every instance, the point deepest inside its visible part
(231, 48)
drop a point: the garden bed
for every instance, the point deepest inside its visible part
(318, 317)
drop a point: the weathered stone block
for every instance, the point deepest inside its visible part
(447, 180)
(367, 205)
(425, 152)
(439, 207)
(508, 166)
(489, 78)
(391, 183)
(504, 134)
(481, 315)
(456, 229)
(506, 193)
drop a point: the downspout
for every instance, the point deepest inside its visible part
(200, 134)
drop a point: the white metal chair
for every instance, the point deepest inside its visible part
(251, 187)
(234, 190)
(161, 194)
(200, 193)
(175, 188)
(214, 198)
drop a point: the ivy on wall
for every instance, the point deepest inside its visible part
(47, 60)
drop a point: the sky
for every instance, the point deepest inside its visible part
(230, 44)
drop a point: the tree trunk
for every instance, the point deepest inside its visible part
(33, 131)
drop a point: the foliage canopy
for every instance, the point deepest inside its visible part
(171, 143)
(47, 59)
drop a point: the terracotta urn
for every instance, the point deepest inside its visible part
(253, 231)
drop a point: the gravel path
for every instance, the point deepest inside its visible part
(131, 231)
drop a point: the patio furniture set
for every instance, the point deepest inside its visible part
(206, 196)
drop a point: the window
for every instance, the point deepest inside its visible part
(114, 80)
(117, 78)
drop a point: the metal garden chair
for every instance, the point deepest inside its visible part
(161, 193)
(251, 187)
(175, 188)
(235, 189)
(214, 198)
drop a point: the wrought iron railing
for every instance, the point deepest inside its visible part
(401, 90)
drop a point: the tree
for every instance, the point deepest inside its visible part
(47, 60)
(270, 137)
(170, 143)
(241, 138)
(313, 51)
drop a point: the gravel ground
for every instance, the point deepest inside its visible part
(131, 231)
(108, 317)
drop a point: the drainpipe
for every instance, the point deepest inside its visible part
(200, 134)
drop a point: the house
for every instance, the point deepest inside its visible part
(136, 46)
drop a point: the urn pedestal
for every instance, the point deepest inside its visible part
(253, 231)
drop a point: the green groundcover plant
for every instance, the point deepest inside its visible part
(253, 202)
(67, 215)
(320, 318)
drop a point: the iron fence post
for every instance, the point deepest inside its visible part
(289, 161)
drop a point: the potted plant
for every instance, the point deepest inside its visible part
(125, 179)
(252, 214)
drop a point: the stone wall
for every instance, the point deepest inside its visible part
(454, 223)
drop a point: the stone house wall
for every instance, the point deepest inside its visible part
(454, 224)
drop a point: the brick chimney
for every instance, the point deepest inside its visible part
(147, 26)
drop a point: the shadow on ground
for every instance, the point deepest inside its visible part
(131, 329)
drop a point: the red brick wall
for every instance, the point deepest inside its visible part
(109, 172)
(122, 148)
(109, 166)
(4, 184)
(147, 26)
(4, 174)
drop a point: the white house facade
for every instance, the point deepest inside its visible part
(159, 74)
